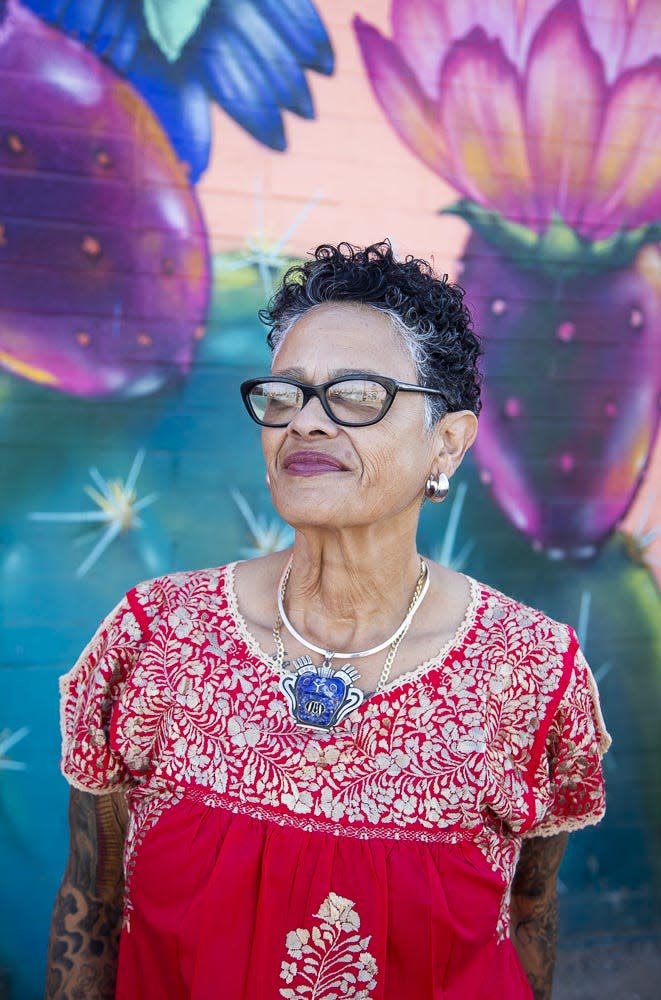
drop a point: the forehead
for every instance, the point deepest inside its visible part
(341, 336)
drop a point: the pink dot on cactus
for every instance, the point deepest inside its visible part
(103, 158)
(566, 462)
(199, 332)
(83, 338)
(498, 307)
(485, 477)
(636, 319)
(91, 247)
(512, 407)
(565, 332)
(15, 144)
(144, 340)
(610, 409)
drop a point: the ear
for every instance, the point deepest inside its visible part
(454, 434)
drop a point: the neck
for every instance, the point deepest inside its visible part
(350, 594)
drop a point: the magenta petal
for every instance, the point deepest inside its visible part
(481, 115)
(626, 184)
(564, 100)
(424, 30)
(497, 18)
(421, 30)
(409, 111)
(531, 15)
(608, 24)
(645, 38)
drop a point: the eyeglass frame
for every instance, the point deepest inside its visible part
(391, 385)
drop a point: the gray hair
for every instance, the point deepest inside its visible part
(419, 339)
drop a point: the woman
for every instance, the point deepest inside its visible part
(303, 822)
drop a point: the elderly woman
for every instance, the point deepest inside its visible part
(339, 770)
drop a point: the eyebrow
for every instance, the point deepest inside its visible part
(300, 374)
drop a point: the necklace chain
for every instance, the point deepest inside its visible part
(421, 588)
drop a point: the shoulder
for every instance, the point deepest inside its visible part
(501, 613)
(522, 650)
(151, 599)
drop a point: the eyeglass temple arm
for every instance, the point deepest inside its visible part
(419, 388)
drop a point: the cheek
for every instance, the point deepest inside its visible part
(271, 442)
(392, 466)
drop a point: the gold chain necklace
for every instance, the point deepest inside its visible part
(320, 696)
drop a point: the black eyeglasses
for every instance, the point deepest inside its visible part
(350, 400)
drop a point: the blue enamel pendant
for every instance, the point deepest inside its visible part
(320, 697)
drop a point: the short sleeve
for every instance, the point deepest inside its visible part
(567, 782)
(89, 694)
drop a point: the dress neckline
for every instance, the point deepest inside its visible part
(415, 673)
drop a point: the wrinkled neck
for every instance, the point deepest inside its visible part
(350, 592)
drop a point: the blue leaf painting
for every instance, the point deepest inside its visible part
(248, 56)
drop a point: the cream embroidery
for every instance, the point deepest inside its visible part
(331, 960)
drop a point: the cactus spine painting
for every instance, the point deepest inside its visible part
(160, 164)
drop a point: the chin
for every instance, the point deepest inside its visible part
(317, 510)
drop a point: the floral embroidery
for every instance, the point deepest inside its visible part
(499, 738)
(331, 960)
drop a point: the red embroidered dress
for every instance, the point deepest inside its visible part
(265, 860)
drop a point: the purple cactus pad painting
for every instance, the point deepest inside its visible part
(571, 395)
(104, 273)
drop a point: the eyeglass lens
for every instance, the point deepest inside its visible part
(352, 400)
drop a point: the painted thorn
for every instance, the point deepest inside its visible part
(636, 319)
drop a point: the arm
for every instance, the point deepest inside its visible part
(82, 951)
(534, 909)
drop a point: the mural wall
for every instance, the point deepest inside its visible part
(160, 163)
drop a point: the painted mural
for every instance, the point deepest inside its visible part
(160, 164)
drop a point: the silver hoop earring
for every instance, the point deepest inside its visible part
(437, 490)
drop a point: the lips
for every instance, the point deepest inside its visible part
(312, 463)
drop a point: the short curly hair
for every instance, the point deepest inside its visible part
(427, 310)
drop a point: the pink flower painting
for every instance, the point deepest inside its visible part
(545, 117)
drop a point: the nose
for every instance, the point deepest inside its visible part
(312, 420)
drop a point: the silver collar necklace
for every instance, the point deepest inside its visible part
(319, 696)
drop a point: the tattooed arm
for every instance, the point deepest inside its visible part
(534, 909)
(82, 951)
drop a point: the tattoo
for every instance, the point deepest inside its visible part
(534, 910)
(84, 940)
